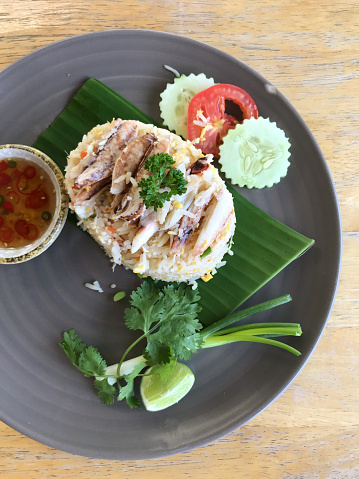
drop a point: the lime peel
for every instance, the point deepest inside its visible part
(255, 154)
(176, 98)
(158, 393)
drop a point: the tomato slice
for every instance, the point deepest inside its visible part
(36, 200)
(6, 234)
(207, 119)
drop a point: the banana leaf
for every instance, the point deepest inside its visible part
(262, 246)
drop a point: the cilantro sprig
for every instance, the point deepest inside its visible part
(164, 181)
(168, 321)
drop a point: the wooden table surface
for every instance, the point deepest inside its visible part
(310, 51)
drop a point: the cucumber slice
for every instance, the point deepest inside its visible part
(255, 154)
(176, 97)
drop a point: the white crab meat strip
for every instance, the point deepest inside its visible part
(188, 224)
(129, 161)
(214, 219)
(135, 154)
(143, 234)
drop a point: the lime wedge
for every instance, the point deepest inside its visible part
(158, 393)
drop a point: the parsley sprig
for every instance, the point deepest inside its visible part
(169, 324)
(164, 181)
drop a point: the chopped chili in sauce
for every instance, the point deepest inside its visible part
(27, 202)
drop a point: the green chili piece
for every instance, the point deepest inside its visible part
(46, 216)
(12, 164)
(119, 295)
(206, 252)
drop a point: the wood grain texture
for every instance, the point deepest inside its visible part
(310, 51)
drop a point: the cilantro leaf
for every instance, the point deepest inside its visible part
(179, 329)
(72, 346)
(157, 352)
(87, 359)
(173, 312)
(147, 307)
(164, 182)
(91, 363)
(105, 390)
(127, 391)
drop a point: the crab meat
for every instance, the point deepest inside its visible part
(135, 155)
(176, 214)
(214, 220)
(129, 161)
(189, 223)
(145, 232)
(134, 206)
(102, 164)
(92, 191)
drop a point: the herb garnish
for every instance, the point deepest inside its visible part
(164, 182)
(168, 320)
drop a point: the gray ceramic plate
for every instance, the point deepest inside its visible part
(41, 394)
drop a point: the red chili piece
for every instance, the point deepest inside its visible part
(21, 227)
(1, 220)
(13, 196)
(3, 165)
(6, 234)
(29, 172)
(36, 200)
(4, 179)
(8, 206)
(27, 230)
(21, 190)
(31, 233)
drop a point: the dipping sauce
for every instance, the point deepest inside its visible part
(27, 202)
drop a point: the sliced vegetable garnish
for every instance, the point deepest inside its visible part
(3, 165)
(46, 216)
(8, 206)
(206, 252)
(36, 200)
(29, 172)
(4, 179)
(6, 234)
(176, 98)
(208, 122)
(255, 154)
(120, 295)
(27, 230)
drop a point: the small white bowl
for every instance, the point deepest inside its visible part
(25, 253)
